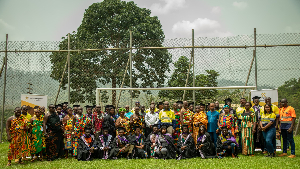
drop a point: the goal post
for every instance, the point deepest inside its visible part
(98, 90)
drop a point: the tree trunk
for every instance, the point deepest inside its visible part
(114, 85)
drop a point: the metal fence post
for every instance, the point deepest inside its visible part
(193, 55)
(4, 87)
(130, 58)
(69, 102)
(255, 58)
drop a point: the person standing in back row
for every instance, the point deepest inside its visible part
(287, 121)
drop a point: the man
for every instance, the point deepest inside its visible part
(25, 112)
(87, 146)
(150, 146)
(226, 144)
(89, 112)
(217, 106)
(258, 137)
(128, 114)
(109, 121)
(160, 106)
(16, 129)
(27, 146)
(75, 109)
(120, 146)
(167, 118)
(97, 121)
(174, 107)
(186, 116)
(136, 119)
(151, 119)
(138, 141)
(65, 108)
(287, 122)
(228, 102)
(104, 143)
(137, 104)
(53, 134)
(58, 111)
(212, 126)
(143, 113)
(191, 106)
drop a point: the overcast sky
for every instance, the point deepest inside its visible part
(45, 20)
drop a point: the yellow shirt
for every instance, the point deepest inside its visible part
(28, 116)
(166, 116)
(275, 110)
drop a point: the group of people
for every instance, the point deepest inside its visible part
(180, 132)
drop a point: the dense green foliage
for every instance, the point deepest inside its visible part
(107, 25)
(178, 79)
(291, 91)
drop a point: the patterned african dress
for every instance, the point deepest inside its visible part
(124, 122)
(248, 119)
(97, 122)
(80, 123)
(68, 134)
(201, 118)
(17, 146)
(188, 119)
(38, 140)
(138, 122)
(177, 132)
(228, 120)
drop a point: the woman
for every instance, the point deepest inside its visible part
(37, 138)
(226, 144)
(123, 121)
(67, 123)
(165, 145)
(186, 144)
(176, 134)
(267, 124)
(200, 118)
(228, 120)
(248, 126)
(186, 117)
(205, 145)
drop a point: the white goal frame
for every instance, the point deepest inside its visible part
(98, 98)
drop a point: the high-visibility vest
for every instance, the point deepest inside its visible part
(287, 114)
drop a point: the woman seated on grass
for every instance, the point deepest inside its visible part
(186, 144)
(226, 144)
(205, 145)
(165, 148)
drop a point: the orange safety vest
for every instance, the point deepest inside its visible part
(287, 114)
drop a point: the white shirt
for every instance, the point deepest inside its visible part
(151, 119)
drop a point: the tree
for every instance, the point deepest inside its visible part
(291, 91)
(178, 79)
(107, 25)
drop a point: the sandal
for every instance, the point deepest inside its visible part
(8, 164)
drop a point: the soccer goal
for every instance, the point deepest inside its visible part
(127, 96)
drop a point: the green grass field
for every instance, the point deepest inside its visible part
(258, 161)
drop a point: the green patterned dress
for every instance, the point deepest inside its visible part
(37, 141)
(248, 120)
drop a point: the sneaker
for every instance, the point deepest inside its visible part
(292, 156)
(283, 154)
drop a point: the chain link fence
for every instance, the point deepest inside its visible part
(163, 67)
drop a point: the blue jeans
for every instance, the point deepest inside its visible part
(269, 139)
(214, 137)
(286, 136)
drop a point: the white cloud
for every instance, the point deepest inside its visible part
(240, 5)
(169, 5)
(216, 10)
(203, 27)
(2, 22)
